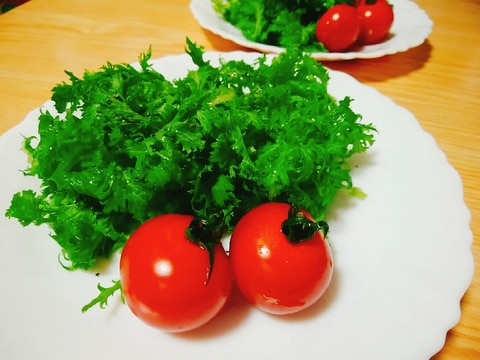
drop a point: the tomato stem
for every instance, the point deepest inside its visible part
(298, 228)
(207, 233)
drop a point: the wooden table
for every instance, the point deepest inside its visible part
(438, 81)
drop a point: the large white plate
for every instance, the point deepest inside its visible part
(410, 28)
(402, 263)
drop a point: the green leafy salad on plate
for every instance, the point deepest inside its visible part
(125, 144)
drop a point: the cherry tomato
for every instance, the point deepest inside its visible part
(338, 28)
(376, 19)
(166, 278)
(273, 273)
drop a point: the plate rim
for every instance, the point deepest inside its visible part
(242, 55)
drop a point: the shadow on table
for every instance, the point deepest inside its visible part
(386, 67)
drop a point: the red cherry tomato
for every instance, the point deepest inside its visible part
(166, 279)
(273, 273)
(338, 28)
(376, 19)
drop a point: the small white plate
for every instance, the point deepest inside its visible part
(402, 259)
(410, 28)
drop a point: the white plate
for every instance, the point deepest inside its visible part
(410, 28)
(402, 263)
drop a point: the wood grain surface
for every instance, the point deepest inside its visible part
(438, 81)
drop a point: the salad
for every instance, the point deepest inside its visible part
(314, 26)
(126, 148)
